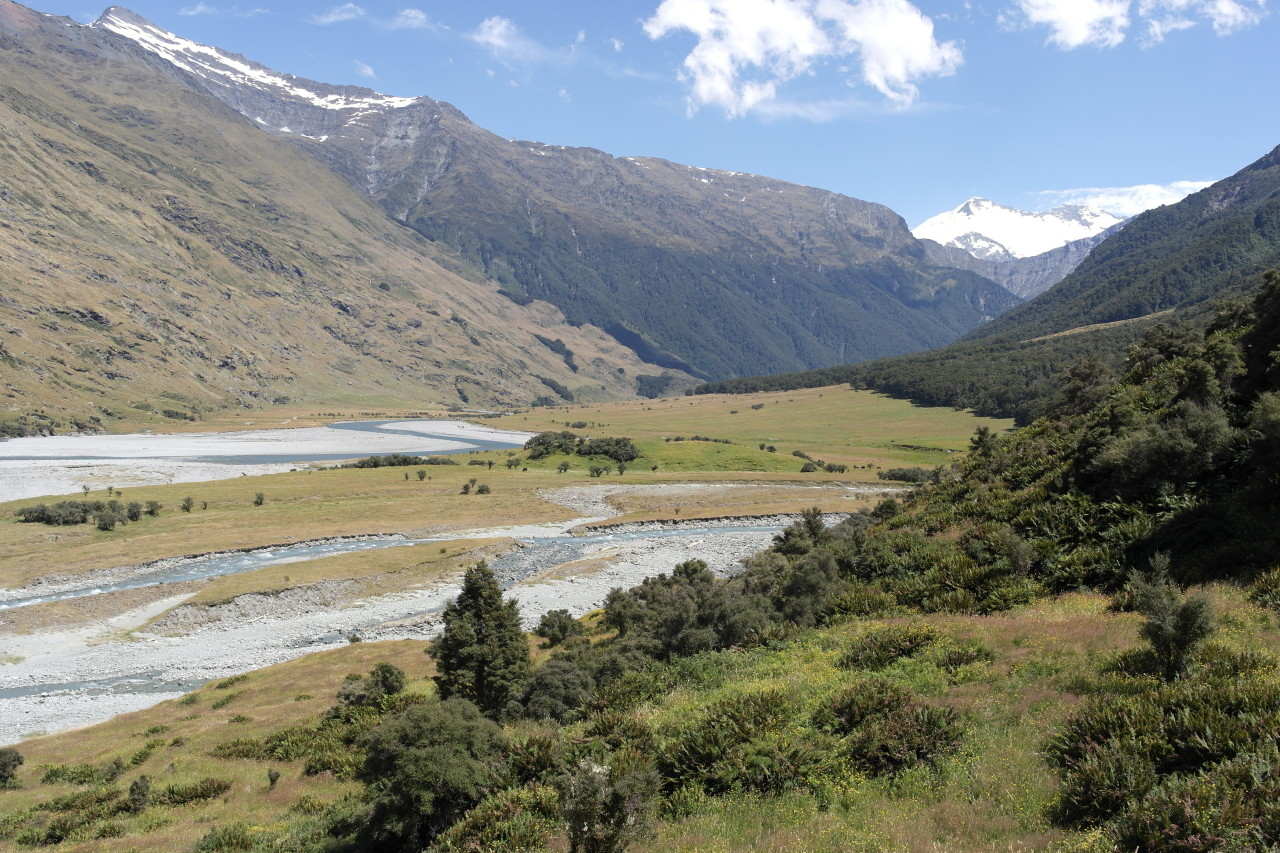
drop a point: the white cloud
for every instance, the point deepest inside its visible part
(616, 44)
(338, 14)
(1124, 201)
(206, 9)
(1074, 23)
(1105, 23)
(502, 38)
(411, 19)
(748, 49)
(364, 70)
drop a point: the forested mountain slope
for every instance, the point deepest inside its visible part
(1165, 266)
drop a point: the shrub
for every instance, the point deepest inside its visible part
(859, 703)
(556, 626)
(188, 503)
(514, 819)
(736, 745)
(880, 647)
(608, 806)
(902, 738)
(181, 794)
(906, 475)
(10, 761)
(223, 839)
(259, 499)
(556, 691)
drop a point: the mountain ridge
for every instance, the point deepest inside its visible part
(724, 271)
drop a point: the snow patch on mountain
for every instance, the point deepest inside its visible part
(992, 231)
(204, 61)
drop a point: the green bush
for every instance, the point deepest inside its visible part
(881, 647)
(903, 738)
(181, 794)
(854, 706)
(10, 761)
(514, 819)
(556, 626)
(224, 839)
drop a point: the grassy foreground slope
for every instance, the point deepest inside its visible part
(1002, 662)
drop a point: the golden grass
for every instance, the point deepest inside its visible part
(273, 698)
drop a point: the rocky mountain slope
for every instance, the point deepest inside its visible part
(160, 256)
(716, 272)
(1025, 277)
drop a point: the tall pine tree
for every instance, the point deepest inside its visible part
(482, 654)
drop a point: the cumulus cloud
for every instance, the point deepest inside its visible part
(748, 49)
(1105, 23)
(364, 70)
(1124, 201)
(338, 14)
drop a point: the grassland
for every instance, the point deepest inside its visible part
(837, 425)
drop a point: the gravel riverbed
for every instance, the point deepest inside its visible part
(56, 680)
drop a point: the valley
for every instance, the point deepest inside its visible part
(371, 480)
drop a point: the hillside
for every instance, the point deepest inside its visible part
(1167, 266)
(715, 272)
(1005, 659)
(162, 258)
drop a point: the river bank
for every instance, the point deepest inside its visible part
(55, 680)
(64, 464)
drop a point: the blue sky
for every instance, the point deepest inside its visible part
(915, 104)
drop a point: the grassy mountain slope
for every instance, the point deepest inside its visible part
(160, 254)
(1167, 265)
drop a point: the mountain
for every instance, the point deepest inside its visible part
(1024, 252)
(1025, 277)
(1166, 266)
(161, 256)
(988, 230)
(714, 272)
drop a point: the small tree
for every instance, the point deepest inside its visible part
(481, 655)
(139, 793)
(562, 467)
(154, 507)
(1176, 625)
(425, 768)
(188, 503)
(259, 499)
(10, 761)
(422, 474)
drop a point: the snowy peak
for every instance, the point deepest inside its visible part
(218, 67)
(992, 231)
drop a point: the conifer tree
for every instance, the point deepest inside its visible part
(482, 654)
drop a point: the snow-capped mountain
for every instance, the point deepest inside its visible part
(992, 231)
